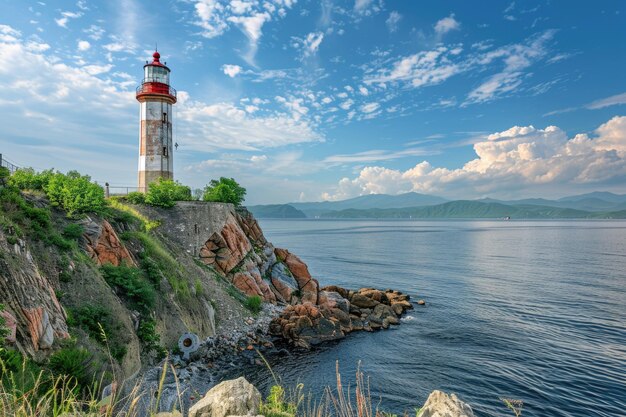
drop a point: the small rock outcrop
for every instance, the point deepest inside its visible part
(339, 311)
(103, 245)
(440, 404)
(236, 397)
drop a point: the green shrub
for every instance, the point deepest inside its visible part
(97, 322)
(165, 193)
(132, 284)
(277, 405)
(73, 231)
(226, 190)
(254, 303)
(75, 193)
(136, 197)
(4, 174)
(150, 338)
(73, 362)
(28, 179)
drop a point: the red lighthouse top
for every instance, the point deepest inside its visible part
(156, 81)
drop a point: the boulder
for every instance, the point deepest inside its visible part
(236, 397)
(362, 301)
(440, 404)
(332, 299)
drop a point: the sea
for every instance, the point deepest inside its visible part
(525, 310)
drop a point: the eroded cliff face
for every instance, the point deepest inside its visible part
(36, 319)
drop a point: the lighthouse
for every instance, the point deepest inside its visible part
(156, 97)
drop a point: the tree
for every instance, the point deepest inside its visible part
(226, 190)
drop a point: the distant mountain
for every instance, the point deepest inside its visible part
(600, 195)
(475, 210)
(276, 211)
(586, 204)
(371, 201)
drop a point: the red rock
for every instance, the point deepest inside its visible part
(246, 284)
(106, 247)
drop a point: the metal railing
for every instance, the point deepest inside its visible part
(117, 190)
(156, 88)
(8, 165)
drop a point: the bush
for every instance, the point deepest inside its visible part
(75, 193)
(150, 338)
(28, 179)
(132, 284)
(226, 190)
(165, 193)
(72, 362)
(95, 320)
(4, 174)
(254, 303)
(136, 197)
(73, 231)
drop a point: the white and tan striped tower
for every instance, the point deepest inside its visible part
(156, 153)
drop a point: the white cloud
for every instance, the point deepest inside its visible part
(367, 7)
(231, 70)
(446, 25)
(252, 27)
(516, 59)
(606, 102)
(83, 45)
(420, 69)
(94, 32)
(393, 21)
(65, 16)
(370, 107)
(215, 18)
(312, 43)
(517, 159)
(347, 104)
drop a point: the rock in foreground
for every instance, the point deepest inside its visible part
(440, 404)
(338, 311)
(236, 397)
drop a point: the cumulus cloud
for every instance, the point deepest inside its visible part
(367, 7)
(65, 16)
(312, 43)
(447, 24)
(231, 70)
(83, 45)
(518, 159)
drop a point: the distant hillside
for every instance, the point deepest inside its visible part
(276, 211)
(585, 204)
(473, 210)
(371, 201)
(600, 195)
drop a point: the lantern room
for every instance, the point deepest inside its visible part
(156, 80)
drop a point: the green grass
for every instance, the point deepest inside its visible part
(157, 261)
(146, 223)
(97, 322)
(254, 304)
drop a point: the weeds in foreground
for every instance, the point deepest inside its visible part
(514, 405)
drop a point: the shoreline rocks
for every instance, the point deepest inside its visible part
(337, 312)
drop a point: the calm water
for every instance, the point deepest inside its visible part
(526, 310)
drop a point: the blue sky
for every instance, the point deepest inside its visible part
(311, 100)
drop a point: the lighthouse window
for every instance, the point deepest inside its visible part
(165, 151)
(164, 117)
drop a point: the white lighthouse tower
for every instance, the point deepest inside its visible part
(156, 156)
